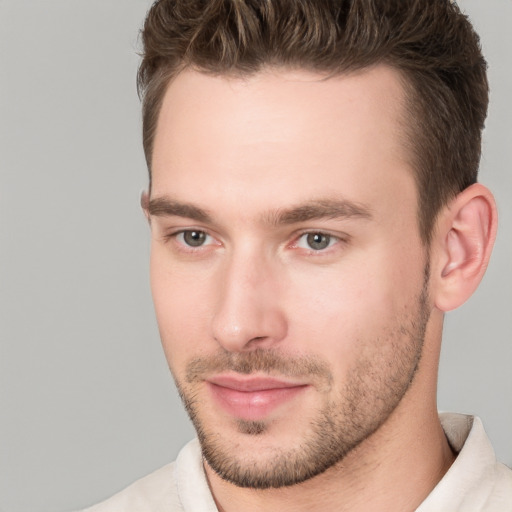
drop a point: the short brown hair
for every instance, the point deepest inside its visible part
(430, 42)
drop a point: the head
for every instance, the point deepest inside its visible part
(309, 163)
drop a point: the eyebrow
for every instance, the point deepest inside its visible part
(319, 209)
(310, 210)
(166, 207)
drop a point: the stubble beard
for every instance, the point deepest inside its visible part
(374, 387)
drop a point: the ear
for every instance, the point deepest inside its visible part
(144, 204)
(464, 237)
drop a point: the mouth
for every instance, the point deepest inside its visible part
(252, 398)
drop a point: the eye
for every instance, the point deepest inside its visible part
(193, 238)
(316, 241)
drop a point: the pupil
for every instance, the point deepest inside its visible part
(318, 241)
(194, 238)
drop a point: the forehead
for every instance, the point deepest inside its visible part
(294, 134)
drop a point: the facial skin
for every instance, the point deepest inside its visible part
(289, 279)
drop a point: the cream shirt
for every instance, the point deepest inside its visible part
(475, 482)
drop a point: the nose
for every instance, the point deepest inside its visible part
(248, 313)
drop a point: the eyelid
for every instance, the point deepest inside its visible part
(174, 234)
(182, 234)
(338, 237)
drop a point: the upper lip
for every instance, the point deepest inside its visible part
(249, 384)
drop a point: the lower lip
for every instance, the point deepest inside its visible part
(253, 405)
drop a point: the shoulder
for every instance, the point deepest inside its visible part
(501, 495)
(154, 493)
(476, 482)
(178, 487)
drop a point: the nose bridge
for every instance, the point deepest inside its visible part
(248, 312)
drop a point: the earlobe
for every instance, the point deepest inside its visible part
(465, 237)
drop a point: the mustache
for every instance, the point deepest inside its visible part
(267, 361)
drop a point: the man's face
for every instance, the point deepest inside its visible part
(288, 276)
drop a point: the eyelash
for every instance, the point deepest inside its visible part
(183, 246)
(334, 240)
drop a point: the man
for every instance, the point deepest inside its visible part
(314, 212)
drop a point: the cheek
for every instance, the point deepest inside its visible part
(181, 306)
(337, 312)
(343, 311)
(328, 317)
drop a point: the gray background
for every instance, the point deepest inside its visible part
(86, 401)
